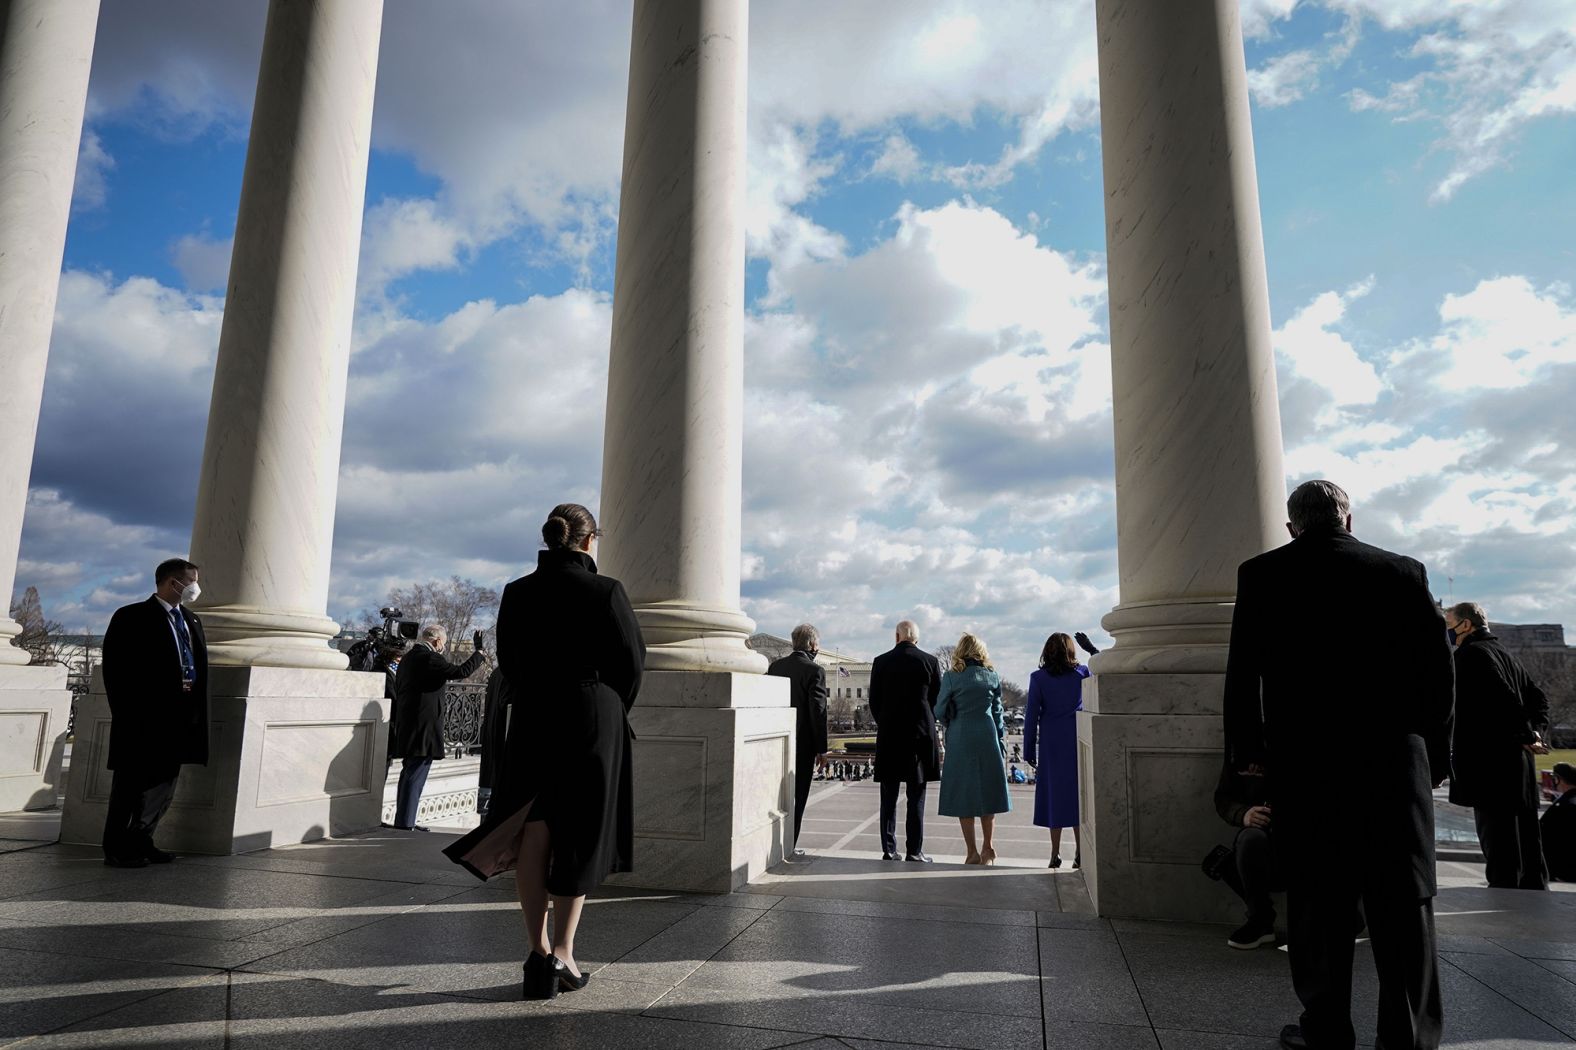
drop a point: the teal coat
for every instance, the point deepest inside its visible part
(974, 775)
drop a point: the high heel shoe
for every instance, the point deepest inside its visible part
(541, 977)
(1056, 860)
(973, 858)
(568, 982)
(988, 858)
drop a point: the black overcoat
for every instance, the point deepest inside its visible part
(904, 684)
(807, 693)
(1498, 709)
(416, 717)
(572, 652)
(155, 724)
(1353, 734)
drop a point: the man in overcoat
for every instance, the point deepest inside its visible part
(807, 692)
(416, 722)
(1501, 716)
(1352, 739)
(904, 684)
(156, 681)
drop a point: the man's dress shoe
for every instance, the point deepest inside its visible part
(918, 858)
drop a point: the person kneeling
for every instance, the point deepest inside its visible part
(1251, 870)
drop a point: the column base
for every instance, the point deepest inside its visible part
(34, 708)
(1149, 755)
(683, 636)
(294, 755)
(239, 636)
(713, 785)
(1171, 636)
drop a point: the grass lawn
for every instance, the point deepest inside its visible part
(1547, 761)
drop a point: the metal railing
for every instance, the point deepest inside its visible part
(463, 704)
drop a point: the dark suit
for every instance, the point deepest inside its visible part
(1498, 709)
(416, 721)
(807, 692)
(1353, 737)
(904, 684)
(159, 719)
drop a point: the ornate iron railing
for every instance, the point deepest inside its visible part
(463, 704)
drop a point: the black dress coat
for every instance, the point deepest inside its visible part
(1353, 735)
(807, 693)
(572, 652)
(1558, 827)
(416, 718)
(1498, 709)
(155, 723)
(904, 684)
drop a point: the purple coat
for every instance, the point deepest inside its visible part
(1050, 742)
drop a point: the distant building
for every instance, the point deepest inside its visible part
(847, 677)
(1542, 650)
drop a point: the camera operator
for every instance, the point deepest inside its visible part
(416, 725)
(363, 656)
(1242, 801)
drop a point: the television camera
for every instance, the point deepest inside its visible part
(384, 643)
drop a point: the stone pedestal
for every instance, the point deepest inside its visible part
(713, 766)
(1199, 480)
(295, 755)
(34, 708)
(1149, 754)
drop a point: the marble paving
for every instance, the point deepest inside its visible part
(376, 941)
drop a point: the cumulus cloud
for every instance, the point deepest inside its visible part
(94, 164)
(203, 262)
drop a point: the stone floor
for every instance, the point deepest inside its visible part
(376, 941)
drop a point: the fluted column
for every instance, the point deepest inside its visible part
(1199, 480)
(671, 475)
(46, 48)
(265, 502)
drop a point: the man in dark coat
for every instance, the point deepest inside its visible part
(1352, 739)
(1501, 716)
(1558, 825)
(416, 722)
(904, 684)
(156, 680)
(807, 692)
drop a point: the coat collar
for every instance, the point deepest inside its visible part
(1482, 634)
(561, 558)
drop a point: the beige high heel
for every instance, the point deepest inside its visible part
(974, 858)
(988, 858)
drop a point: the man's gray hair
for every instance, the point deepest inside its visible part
(907, 631)
(434, 633)
(807, 638)
(1472, 613)
(1318, 505)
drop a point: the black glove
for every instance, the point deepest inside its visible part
(476, 640)
(1084, 643)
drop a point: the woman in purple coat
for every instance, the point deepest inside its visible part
(1050, 738)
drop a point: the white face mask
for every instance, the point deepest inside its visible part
(191, 593)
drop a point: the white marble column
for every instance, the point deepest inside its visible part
(265, 502)
(1199, 480)
(46, 47)
(713, 756)
(672, 460)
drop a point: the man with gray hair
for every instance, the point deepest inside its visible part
(1501, 716)
(904, 684)
(807, 692)
(416, 717)
(1350, 740)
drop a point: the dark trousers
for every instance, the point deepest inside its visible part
(412, 778)
(1401, 931)
(803, 772)
(139, 796)
(1513, 847)
(914, 829)
(1258, 875)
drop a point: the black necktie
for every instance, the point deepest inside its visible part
(188, 662)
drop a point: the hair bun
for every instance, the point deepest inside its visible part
(556, 531)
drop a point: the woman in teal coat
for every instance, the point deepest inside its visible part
(974, 777)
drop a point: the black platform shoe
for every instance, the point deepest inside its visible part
(541, 977)
(1056, 860)
(568, 982)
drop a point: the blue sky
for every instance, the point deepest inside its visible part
(927, 374)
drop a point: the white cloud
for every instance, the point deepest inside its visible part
(1504, 333)
(94, 164)
(1311, 348)
(898, 159)
(204, 263)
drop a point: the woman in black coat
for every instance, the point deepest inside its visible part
(562, 812)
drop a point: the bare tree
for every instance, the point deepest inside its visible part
(944, 656)
(455, 603)
(41, 636)
(1012, 695)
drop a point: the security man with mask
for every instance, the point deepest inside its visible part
(156, 680)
